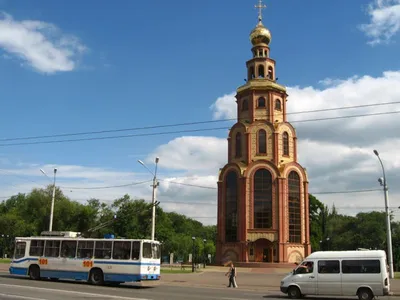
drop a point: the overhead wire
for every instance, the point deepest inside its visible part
(183, 124)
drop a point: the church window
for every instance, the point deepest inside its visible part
(261, 71)
(262, 187)
(261, 102)
(245, 105)
(294, 208)
(285, 142)
(270, 73)
(238, 145)
(231, 194)
(278, 104)
(262, 141)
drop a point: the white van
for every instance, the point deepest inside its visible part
(339, 273)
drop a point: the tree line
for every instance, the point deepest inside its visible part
(28, 215)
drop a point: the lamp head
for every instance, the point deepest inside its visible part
(376, 153)
(157, 160)
(55, 170)
(140, 162)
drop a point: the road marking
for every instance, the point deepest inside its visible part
(70, 292)
(19, 297)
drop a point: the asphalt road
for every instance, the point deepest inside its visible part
(12, 288)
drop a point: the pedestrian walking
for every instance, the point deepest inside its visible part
(232, 276)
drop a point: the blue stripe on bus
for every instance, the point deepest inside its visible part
(18, 271)
(24, 259)
(108, 277)
(100, 262)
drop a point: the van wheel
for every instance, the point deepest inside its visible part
(365, 294)
(34, 272)
(294, 292)
(96, 277)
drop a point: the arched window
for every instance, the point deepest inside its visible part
(294, 208)
(270, 73)
(245, 105)
(251, 74)
(262, 187)
(238, 145)
(231, 198)
(285, 142)
(261, 71)
(261, 102)
(278, 104)
(262, 141)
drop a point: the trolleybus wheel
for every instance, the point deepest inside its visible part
(34, 272)
(96, 277)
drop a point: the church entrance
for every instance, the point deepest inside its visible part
(264, 251)
(266, 255)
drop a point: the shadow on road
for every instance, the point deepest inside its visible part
(133, 285)
(281, 296)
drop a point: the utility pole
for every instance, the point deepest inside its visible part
(383, 183)
(154, 194)
(52, 198)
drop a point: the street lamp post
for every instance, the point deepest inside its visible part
(193, 239)
(52, 198)
(383, 183)
(205, 253)
(153, 198)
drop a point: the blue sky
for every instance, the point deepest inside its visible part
(143, 63)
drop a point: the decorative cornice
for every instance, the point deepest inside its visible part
(261, 84)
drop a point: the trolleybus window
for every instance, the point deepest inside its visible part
(147, 252)
(103, 249)
(85, 249)
(19, 251)
(52, 248)
(37, 248)
(135, 250)
(121, 250)
(151, 250)
(68, 249)
(156, 251)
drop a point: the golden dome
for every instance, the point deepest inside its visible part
(260, 35)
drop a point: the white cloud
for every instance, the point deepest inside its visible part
(42, 45)
(180, 151)
(384, 22)
(223, 108)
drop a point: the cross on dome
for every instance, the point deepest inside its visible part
(260, 7)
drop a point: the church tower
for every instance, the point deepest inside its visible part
(263, 206)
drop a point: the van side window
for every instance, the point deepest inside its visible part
(328, 267)
(361, 266)
(305, 267)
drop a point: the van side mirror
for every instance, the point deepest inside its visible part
(294, 271)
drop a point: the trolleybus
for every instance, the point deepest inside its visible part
(66, 255)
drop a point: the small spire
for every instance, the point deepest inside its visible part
(260, 7)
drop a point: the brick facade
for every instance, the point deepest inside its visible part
(261, 105)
